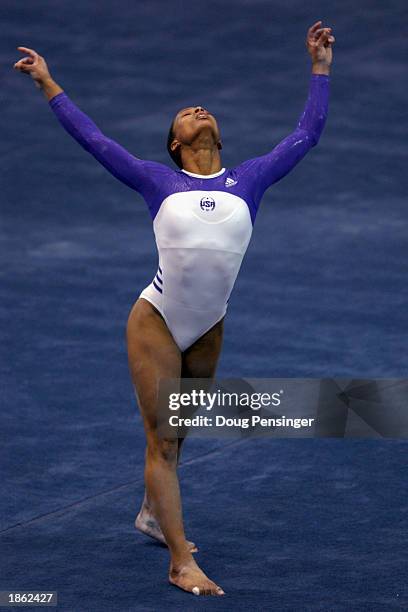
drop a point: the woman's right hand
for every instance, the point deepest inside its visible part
(34, 65)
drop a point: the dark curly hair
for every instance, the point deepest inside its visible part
(175, 155)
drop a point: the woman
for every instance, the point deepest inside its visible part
(203, 216)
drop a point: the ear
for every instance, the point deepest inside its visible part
(219, 145)
(174, 144)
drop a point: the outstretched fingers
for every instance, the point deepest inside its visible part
(32, 58)
(22, 64)
(26, 63)
(313, 28)
(321, 37)
(30, 52)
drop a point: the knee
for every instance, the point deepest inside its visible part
(164, 449)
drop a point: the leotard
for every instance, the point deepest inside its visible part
(202, 223)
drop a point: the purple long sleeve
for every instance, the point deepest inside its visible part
(156, 181)
(141, 175)
(263, 171)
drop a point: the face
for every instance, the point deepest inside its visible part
(191, 121)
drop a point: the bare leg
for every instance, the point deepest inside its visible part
(198, 361)
(153, 354)
(147, 523)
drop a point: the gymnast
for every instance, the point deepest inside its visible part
(203, 216)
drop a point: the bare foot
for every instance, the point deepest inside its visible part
(147, 524)
(192, 579)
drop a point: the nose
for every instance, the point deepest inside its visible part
(199, 109)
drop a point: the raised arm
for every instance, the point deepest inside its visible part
(287, 154)
(263, 171)
(116, 159)
(138, 174)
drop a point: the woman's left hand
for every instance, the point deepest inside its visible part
(319, 44)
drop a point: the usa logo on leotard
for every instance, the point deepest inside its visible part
(207, 203)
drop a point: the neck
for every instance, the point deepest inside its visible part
(201, 157)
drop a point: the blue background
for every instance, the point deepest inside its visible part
(288, 525)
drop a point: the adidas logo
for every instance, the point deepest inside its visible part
(229, 182)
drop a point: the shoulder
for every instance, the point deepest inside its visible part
(158, 167)
(248, 167)
(155, 173)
